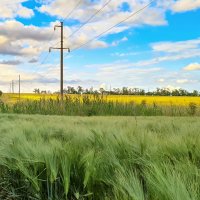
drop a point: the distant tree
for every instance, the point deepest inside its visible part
(125, 91)
(79, 90)
(43, 92)
(135, 91)
(116, 91)
(101, 90)
(68, 90)
(142, 92)
(95, 92)
(183, 92)
(65, 91)
(86, 91)
(175, 92)
(1, 93)
(165, 92)
(195, 93)
(36, 91)
(91, 90)
(71, 90)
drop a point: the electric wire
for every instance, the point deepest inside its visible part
(89, 19)
(68, 15)
(71, 12)
(101, 34)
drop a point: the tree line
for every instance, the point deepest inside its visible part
(124, 91)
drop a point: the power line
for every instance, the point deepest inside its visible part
(101, 34)
(45, 58)
(62, 48)
(92, 17)
(50, 38)
(76, 6)
(68, 15)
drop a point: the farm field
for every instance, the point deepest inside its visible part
(96, 105)
(99, 100)
(150, 100)
(136, 158)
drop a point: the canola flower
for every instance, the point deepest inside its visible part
(148, 100)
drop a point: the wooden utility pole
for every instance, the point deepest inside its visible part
(61, 63)
(10, 87)
(19, 87)
(13, 90)
(61, 58)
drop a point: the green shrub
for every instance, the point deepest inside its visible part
(192, 108)
(96, 106)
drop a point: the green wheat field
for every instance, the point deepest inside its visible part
(121, 158)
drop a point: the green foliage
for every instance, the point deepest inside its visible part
(96, 106)
(87, 106)
(59, 158)
(192, 108)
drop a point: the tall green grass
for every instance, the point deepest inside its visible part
(59, 158)
(96, 106)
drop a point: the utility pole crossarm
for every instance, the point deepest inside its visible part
(58, 26)
(61, 58)
(19, 87)
(58, 48)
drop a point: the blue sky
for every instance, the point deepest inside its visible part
(159, 47)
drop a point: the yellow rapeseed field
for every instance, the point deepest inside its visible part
(149, 100)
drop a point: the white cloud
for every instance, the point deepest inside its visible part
(192, 67)
(161, 80)
(117, 42)
(17, 39)
(185, 5)
(25, 12)
(172, 87)
(9, 72)
(125, 54)
(173, 51)
(176, 47)
(14, 9)
(108, 17)
(182, 81)
(21, 40)
(168, 51)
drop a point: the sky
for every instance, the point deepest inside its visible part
(158, 46)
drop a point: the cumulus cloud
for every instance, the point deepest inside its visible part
(9, 72)
(125, 54)
(192, 67)
(91, 7)
(17, 39)
(182, 81)
(26, 40)
(185, 5)
(14, 8)
(161, 80)
(33, 60)
(174, 47)
(175, 51)
(10, 62)
(21, 40)
(117, 42)
(108, 17)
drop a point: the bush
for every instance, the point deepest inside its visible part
(1, 93)
(192, 108)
